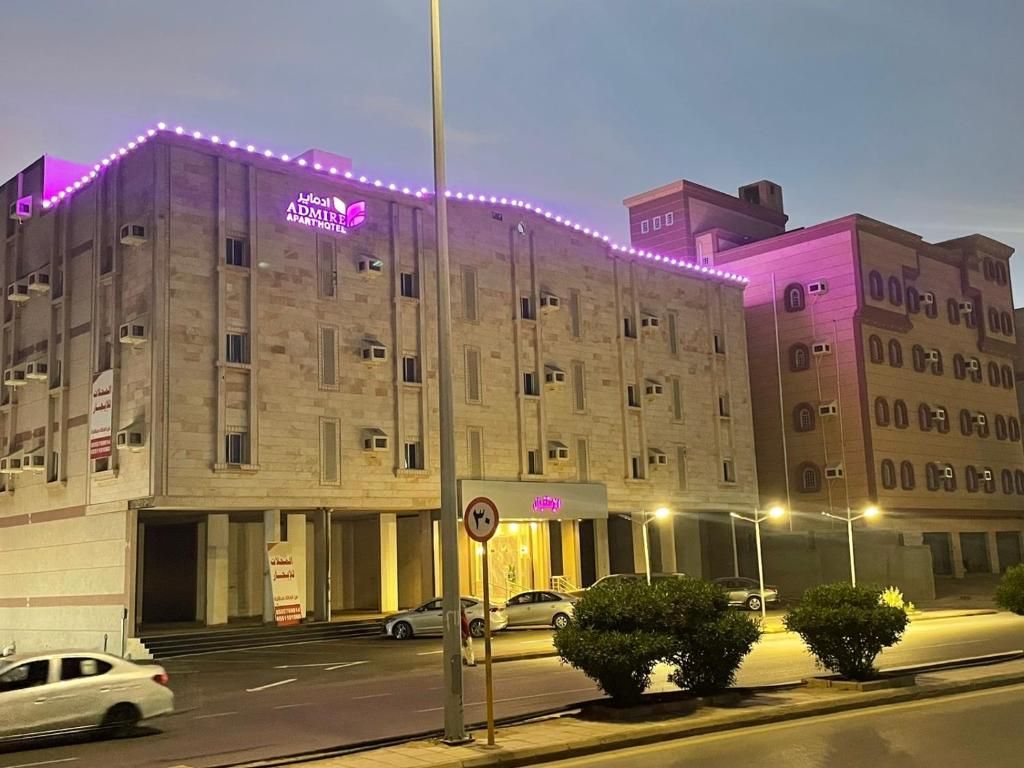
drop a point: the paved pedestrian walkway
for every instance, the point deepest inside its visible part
(560, 737)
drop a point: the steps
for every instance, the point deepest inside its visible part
(167, 645)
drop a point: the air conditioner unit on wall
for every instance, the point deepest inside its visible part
(375, 440)
(980, 419)
(557, 451)
(650, 322)
(373, 351)
(931, 356)
(133, 332)
(835, 472)
(33, 462)
(986, 475)
(927, 298)
(21, 209)
(947, 473)
(828, 409)
(18, 291)
(549, 301)
(132, 437)
(818, 287)
(37, 371)
(974, 365)
(939, 414)
(821, 348)
(965, 307)
(39, 282)
(133, 234)
(657, 457)
(370, 266)
(14, 377)
(554, 376)
(653, 388)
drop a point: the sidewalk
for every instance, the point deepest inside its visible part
(573, 735)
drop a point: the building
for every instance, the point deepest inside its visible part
(208, 348)
(881, 372)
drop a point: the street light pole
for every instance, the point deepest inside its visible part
(659, 514)
(757, 519)
(454, 722)
(850, 519)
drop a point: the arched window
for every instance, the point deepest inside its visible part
(1006, 323)
(993, 374)
(1013, 427)
(936, 362)
(888, 474)
(1006, 374)
(966, 422)
(913, 300)
(803, 417)
(1001, 273)
(794, 297)
(993, 319)
(810, 478)
(983, 427)
(975, 370)
(875, 349)
(895, 353)
(1007, 478)
(971, 479)
(953, 310)
(799, 357)
(899, 415)
(948, 477)
(971, 317)
(906, 476)
(959, 366)
(875, 285)
(986, 269)
(917, 355)
(1018, 481)
(924, 417)
(932, 309)
(895, 292)
(1000, 428)
(881, 412)
(988, 480)
(941, 419)
(933, 476)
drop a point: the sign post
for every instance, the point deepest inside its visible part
(481, 522)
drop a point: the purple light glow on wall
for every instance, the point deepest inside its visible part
(319, 170)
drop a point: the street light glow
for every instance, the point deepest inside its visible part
(776, 511)
(871, 511)
(661, 513)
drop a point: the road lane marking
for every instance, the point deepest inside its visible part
(272, 685)
(346, 664)
(430, 653)
(44, 762)
(323, 664)
(517, 698)
(371, 696)
(218, 714)
(292, 706)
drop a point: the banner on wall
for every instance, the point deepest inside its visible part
(99, 415)
(284, 586)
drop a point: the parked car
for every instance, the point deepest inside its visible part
(612, 578)
(427, 619)
(539, 608)
(68, 691)
(746, 592)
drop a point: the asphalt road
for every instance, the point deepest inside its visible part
(973, 729)
(247, 705)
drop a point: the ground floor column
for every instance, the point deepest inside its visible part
(957, 554)
(388, 562)
(296, 526)
(993, 551)
(218, 544)
(570, 553)
(271, 535)
(602, 557)
(639, 559)
(666, 532)
(426, 557)
(322, 565)
(688, 552)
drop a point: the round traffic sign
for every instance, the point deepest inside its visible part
(480, 518)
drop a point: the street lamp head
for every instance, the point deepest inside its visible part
(733, 514)
(871, 511)
(662, 512)
(776, 511)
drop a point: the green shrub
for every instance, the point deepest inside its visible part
(616, 637)
(1010, 592)
(846, 627)
(706, 657)
(892, 596)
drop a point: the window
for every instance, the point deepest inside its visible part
(1000, 428)
(931, 309)
(933, 476)
(327, 268)
(959, 366)
(1001, 276)
(803, 417)
(413, 456)
(75, 667)
(628, 328)
(1007, 480)
(636, 468)
(53, 471)
(993, 374)
(645, 226)
(1018, 481)
(913, 300)
(966, 422)
(953, 311)
(888, 474)
(677, 400)
(105, 354)
(469, 294)
(875, 349)
(810, 478)
(975, 370)
(895, 353)
(988, 480)
(329, 470)
(881, 412)
(575, 315)
(723, 405)
(681, 467)
(936, 362)
(673, 339)
(409, 285)
(656, 223)
(900, 419)
(1013, 427)
(531, 386)
(237, 252)
(25, 676)
(942, 421)
(579, 391)
(875, 286)
(236, 448)
(794, 300)
(473, 394)
(238, 348)
(986, 269)
(411, 369)
(670, 219)
(328, 357)
(799, 357)
(906, 476)
(632, 398)
(971, 479)
(983, 427)
(526, 309)
(895, 292)
(1007, 377)
(582, 460)
(475, 445)
(728, 471)
(993, 320)
(971, 318)
(719, 344)
(948, 477)
(917, 355)
(924, 415)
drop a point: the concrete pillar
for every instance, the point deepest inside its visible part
(993, 551)
(570, 552)
(666, 532)
(200, 572)
(297, 540)
(322, 565)
(140, 556)
(957, 554)
(639, 562)
(426, 557)
(348, 565)
(602, 559)
(218, 543)
(388, 562)
(271, 535)
(688, 551)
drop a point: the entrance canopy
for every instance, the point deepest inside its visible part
(539, 501)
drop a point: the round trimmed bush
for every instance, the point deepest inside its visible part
(1010, 592)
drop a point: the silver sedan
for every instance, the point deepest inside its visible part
(746, 593)
(428, 619)
(550, 609)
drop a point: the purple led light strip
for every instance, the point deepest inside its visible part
(422, 192)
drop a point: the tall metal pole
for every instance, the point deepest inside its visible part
(647, 551)
(735, 550)
(760, 567)
(849, 536)
(454, 723)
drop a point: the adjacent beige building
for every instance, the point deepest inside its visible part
(207, 349)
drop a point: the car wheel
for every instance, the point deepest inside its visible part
(476, 627)
(401, 631)
(754, 603)
(121, 719)
(561, 621)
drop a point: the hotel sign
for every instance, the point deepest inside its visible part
(540, 501)
(326, 213)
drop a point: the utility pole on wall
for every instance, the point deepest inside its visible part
(454, 724)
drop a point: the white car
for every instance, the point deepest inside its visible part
(427, 619)
(57, 692)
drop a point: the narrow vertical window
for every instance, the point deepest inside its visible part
(469, 311)
(728, 471)
(575, 316)
(628, 328)
(476, 453)
(413, 456)
(237, 347)
(719, 344)
(329, 472)
(411, 369)
(681, 467)
(237, 252)
(723, 405)
(328, 268)
(677, 400)
(236, 448)
(533, 462)
(473, 394)
(409, 285)
(582, 460)
(673, 339)
(579, 392)
(531, 386)
(328, 357)
(636, 468)
(526, 310)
